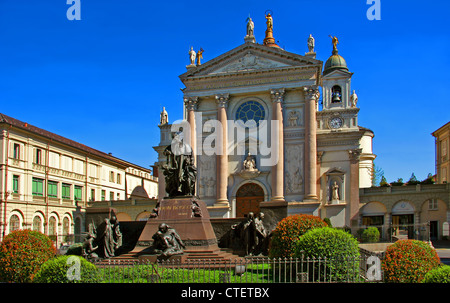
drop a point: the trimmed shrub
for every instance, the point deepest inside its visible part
(340, 249)
(328, 221)
(288, 231)
(408, 261)
(370, 235)
(22, 253)
(440, 274)
(75, 249)
(62, 269)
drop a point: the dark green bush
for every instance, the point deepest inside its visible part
(62, 270)
(288, 231)
(328, 221)
(340, 249)
(440, 274)
(22, 253)
(370, 235)
(75, 249)
(407, 261)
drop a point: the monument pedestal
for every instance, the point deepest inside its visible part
(190, 219)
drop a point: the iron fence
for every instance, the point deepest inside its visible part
(365, 268)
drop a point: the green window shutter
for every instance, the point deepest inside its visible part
(65, 191)
(38, 187)
(52, 189)
(15, 184)
(78, 192)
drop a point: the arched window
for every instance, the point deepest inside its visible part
(14, 223)
(66, 229)
(37, 224)
(250, 110)
(52, 228)
(336, 94)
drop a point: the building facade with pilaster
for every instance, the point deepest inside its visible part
(47, 181)
(273, 132)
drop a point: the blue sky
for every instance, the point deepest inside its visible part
(103, 80)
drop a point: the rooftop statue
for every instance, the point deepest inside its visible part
(335, 42)
(192, 55)
(250, 27)
(311, 44)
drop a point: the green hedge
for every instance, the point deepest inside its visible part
(63, 269)
(440, 274)
(370, 235)
(340, 249)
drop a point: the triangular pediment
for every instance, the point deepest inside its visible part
(338, 74)
(251, 57)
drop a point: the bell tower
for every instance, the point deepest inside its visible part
(339, 109)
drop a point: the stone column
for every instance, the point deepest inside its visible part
(277, 171)
(222, 156)
(353, 200)
(191, 107)
(311, 96)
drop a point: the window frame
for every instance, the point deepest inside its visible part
(37, 187)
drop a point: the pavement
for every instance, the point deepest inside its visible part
(443, 250)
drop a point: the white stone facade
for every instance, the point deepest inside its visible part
(315, 148)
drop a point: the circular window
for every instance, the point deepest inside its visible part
(250, 111)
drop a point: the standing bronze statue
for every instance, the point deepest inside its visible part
(179, 170)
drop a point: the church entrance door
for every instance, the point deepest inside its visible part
(248, 198)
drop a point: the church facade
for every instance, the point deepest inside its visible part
(273, 130)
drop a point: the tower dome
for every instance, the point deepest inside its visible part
(335, 61)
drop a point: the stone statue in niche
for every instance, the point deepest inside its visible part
(249, 163)
(166, 242)
(335, 192)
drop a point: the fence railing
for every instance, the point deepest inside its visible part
(365, 268)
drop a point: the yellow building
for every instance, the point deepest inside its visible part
(46, 181)
(442, 136)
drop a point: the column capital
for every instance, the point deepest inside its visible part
(312, 92)
(354, 154)
(277, 95)
(222, 100)
(191, 103)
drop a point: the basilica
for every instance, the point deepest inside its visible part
(273, 131)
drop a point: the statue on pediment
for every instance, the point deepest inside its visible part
(311, 44)
(192, 55)
(199, 56)
(250, 27)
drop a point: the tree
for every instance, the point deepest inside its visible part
(413, 180)
(377, 175)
